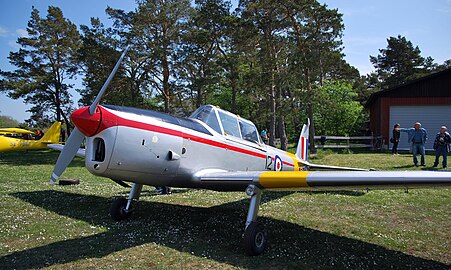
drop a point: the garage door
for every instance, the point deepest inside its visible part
(430, 117)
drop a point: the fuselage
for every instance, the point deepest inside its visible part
(157, 149)
(15, 144)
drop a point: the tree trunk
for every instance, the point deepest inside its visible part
(302, 49)
(166, 104)
(282, 132)
(233, 85)
(134, 93)
(272, 105)
(199, 96)
(310, 112)
(68, 124)
(58, 105)
(269, 66)
(166, 88)
(321, 71)
(281, 120)
(312, 128)
(57, 93)
(68, 128)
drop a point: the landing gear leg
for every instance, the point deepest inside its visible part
(122, 208)
(255, 238)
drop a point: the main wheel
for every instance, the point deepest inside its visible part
(117, 210)
(255, 239)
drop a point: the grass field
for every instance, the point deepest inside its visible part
(65, 227)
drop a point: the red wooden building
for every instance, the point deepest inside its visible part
(427, 100)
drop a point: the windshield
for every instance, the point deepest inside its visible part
(227, 123)
(208, 116)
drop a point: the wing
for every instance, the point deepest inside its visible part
(328, 180)
(60, 147)
(15, 131)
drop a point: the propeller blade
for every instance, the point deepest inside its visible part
(92, 108)
(76, 137)
(68, 153)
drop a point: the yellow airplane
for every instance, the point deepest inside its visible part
(8, 143)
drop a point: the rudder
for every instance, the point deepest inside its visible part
(302, 149)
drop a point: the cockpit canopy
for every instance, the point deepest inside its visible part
(227, 124)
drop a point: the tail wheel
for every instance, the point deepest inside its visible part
(166, 190)
(255, 239)
(118, 210)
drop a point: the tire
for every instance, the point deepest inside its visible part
(255, 239)
(117, 210)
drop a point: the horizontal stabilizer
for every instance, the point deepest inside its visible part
(328, 167)
(60, 147)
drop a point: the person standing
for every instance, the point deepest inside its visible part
(442, 146)
(264, 136)
(396, 136)
(63, 135)
(417, 136)
(38, 134)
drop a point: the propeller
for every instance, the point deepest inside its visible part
(68, 153)
(76, 137)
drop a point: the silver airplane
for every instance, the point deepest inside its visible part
(212, 149)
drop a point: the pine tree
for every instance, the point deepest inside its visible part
(155, 29)
(45, 62)
(400, 62)
(98, 54)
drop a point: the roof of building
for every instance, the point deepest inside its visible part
(437, 84)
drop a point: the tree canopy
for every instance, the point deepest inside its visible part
(45, 62)
(275, 62)
(338, 112)
(8, 121)
(400, 62)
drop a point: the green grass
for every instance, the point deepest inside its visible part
(68, 227)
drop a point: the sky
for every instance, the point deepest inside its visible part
(368, 24)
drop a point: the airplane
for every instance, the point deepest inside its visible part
(212, 149)
(8, 143)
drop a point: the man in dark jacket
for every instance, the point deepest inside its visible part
(442, 146)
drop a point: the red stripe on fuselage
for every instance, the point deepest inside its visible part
(284, 162)
(109, 119)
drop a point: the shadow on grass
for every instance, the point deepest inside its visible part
(430, 168)
(35, 157)
(404, 166)
(213, 232)
(152, 192)
(335, 192)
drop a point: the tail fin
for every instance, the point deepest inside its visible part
(53, 134)
(302, 149)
